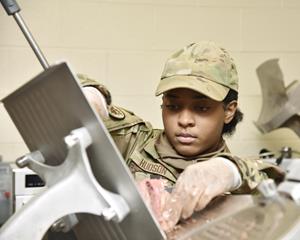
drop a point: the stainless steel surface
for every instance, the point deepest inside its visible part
(72, 186)
(65, 224)
(269, 221)
(220, 207)
(31, 40)
(47, 109)
(6, 192)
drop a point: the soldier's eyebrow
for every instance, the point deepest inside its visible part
(170, 95)
(200, 96)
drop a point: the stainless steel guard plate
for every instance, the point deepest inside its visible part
(48, 108)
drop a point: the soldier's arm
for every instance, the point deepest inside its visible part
(96, 93)
(253, 171)
(97, 100)
(127, 129)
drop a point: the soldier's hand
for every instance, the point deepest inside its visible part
(97, 100)
(195, 188)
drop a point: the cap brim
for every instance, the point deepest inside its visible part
(204, 86)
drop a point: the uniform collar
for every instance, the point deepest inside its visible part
(168, 155)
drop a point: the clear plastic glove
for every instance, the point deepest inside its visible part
(195, 188)
(97, 100)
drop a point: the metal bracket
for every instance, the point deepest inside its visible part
(281, 105)
(268, 189)
(291, 185)
(269, 193)
(291, 189)
(72, 188)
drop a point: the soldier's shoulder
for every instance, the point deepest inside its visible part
(121, 118)
(117, 113)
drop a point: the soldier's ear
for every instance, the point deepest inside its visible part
(230, 110)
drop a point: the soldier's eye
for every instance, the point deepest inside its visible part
(201, 108)
(171, 107)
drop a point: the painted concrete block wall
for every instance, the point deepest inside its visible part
(124, 43)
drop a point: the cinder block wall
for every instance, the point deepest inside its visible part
(124, 43)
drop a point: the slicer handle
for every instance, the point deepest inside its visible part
(11, 7)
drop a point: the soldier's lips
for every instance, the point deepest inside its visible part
(185, 138)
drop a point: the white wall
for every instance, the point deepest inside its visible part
(124, 43)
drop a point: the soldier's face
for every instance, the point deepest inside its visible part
(193, 122)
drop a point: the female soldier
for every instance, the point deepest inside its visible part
(199, 88)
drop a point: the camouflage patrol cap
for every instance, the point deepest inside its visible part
(203, 67)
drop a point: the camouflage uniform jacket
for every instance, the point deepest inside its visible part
(136, 141)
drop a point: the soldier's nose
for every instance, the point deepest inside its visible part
(186, 119)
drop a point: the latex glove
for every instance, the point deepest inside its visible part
(195, 188)
(97, 100)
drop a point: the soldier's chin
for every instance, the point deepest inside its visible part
(187, 151)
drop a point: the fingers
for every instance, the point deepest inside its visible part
(173, 207)
(181, 206)
(202, 202)
(195, 188)
(172, 211)
(190, 202)
(182, 203)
